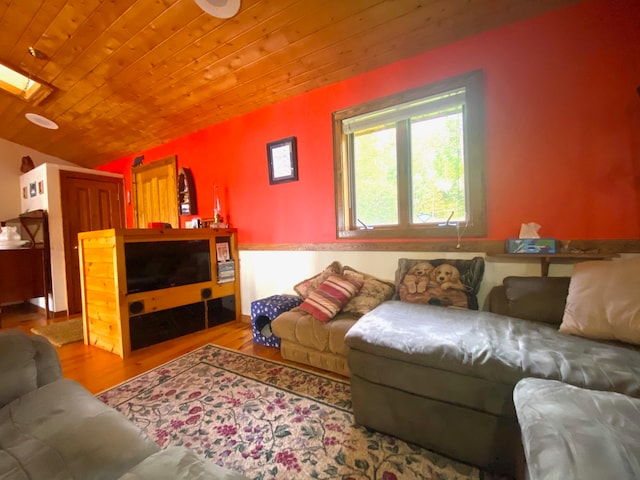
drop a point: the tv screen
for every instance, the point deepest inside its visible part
(156, 265)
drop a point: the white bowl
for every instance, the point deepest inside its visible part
(11, 244)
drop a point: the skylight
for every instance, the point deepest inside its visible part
(21, 86)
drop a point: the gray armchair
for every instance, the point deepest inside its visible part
(52, 427)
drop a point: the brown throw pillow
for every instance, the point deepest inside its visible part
(329, 298)
(373, 292)
(603, 301)
(310, 284)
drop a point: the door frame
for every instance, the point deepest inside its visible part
(70, 245)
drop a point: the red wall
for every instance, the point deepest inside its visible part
(562, 133)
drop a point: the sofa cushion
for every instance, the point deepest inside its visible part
(575, 433)
(373, 292)
(541, 299)
(603, 301)
(61, 428)
(445, 282)
(486, 350)
(18, 371)
(300, 327)
(310, 284)
(330, 296)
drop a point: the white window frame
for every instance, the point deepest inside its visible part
(399, 107)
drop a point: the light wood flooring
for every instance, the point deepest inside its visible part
(99, 370)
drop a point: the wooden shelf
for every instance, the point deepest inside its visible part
(548, 258)
(26, 271)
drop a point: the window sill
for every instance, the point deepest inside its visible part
(415, 232)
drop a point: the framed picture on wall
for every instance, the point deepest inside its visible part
(25, 192)
(282, 158)
(41, 187)
(32, 189)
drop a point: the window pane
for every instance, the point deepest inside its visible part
(437, 169)
(376, 178)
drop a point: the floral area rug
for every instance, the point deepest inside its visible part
(268, 420)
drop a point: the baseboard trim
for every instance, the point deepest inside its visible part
(52, 314)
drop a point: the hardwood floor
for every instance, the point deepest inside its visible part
(99, 370)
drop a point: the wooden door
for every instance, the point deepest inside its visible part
(155, 193)
(89, 202)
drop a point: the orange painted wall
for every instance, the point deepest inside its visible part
(562, 133)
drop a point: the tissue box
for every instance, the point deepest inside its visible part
(531, 245)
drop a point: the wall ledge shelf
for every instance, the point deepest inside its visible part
(547, 259)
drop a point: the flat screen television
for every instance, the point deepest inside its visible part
(156, 265)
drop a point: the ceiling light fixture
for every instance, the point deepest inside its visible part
(41, 121)
(219, 8)
(37, 54)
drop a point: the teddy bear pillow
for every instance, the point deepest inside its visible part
(445, 282)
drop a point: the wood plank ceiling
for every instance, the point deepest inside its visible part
(128, 75)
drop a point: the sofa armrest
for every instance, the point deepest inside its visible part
(47, 360)
(575, 433)
(179, 462)
(26, 363)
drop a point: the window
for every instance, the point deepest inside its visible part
(411, 165)
(22, 86)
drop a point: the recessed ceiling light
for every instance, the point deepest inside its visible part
(219, 8)
(41, 121)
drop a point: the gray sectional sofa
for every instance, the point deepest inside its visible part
(51, 427)
(444, 377)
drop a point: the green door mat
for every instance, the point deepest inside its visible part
(61, 333)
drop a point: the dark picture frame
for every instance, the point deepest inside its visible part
(282, 160)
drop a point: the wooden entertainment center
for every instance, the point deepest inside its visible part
(144, 286)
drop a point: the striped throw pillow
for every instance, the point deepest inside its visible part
(328, 299)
